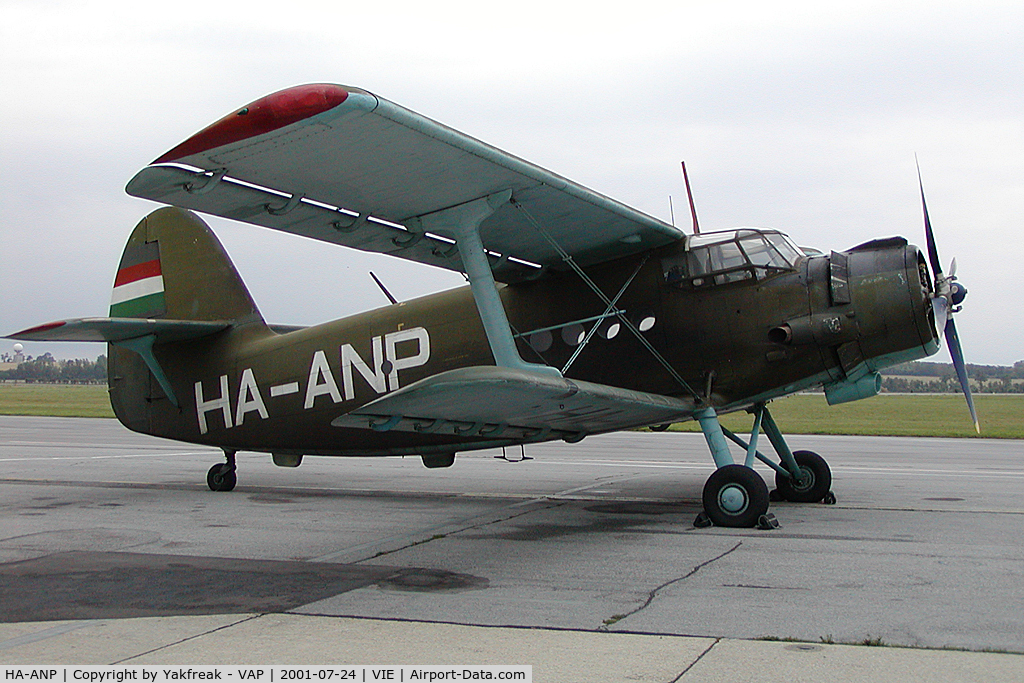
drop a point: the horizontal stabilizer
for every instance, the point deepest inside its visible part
(120, 329)
(501, 403)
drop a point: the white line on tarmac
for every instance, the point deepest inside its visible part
(65, 444)
(45, 634)
(841, 468)
(104, 457)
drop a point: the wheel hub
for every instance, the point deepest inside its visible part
(804, 480)
(733, 499)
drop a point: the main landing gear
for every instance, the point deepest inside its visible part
(221, 476)
(736, 496)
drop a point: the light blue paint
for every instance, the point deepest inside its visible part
(712, 429)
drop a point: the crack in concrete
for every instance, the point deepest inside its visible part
(445, 530)
(699, 657)
(657, 589)
(185, 640)
(546, 502)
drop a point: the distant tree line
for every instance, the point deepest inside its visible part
(981, 373)
(46, 368)
(940, 378)
(947, 385)
(915, 378)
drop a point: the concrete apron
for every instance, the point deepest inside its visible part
(561, 656)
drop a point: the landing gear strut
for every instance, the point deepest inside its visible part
(221, 476)
(735, 495)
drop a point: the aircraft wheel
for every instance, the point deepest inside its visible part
(735, 496)
(817, 479)
(221, 477)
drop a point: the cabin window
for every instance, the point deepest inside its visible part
(573, 334)
(609, 329)
(541, 341)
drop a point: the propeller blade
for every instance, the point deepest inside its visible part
(957, 354)
(933, 252)
(946, 294)
(940, 307)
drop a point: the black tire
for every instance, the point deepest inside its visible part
(818, 479)
(661, 427)
(735, 496)
(221, 477)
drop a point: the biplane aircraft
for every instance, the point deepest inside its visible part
(581, 315)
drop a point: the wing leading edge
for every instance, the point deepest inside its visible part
(342, 165)
(117, 330)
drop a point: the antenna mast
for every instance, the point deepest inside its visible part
(384, 289)
(693, 209)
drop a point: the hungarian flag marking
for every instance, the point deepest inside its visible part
(139, 285)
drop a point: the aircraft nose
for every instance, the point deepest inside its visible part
(872, 308)
(890, 293)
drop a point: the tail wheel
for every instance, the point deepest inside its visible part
(221, 477)
(735, 496)
(815, 479)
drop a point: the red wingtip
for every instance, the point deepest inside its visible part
(40, 328)
(262, 116)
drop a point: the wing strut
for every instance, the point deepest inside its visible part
(463, 222)
(609, 310)
(626, 322)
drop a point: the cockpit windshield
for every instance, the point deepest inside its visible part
(731, 256)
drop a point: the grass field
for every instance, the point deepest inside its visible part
(59, 400)
(1002, 416)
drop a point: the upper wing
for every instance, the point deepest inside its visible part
(339, 164)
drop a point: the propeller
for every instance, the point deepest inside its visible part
(949, 294)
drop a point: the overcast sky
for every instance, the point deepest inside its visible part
(803, 117)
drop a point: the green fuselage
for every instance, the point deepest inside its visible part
(732, 343)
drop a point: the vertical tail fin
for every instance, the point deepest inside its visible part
(174, 267)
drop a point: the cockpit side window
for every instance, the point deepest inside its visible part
(790, 253)
(731, 257)
(760, 252)
(728, 262)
